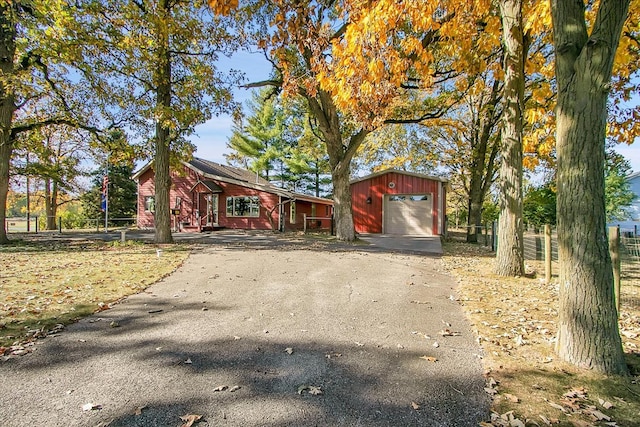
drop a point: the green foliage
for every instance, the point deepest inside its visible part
(124, 47)
(277, 142)
(490, 212)
(618, 194)
(539, 205)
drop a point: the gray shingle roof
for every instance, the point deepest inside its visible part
(212, 168)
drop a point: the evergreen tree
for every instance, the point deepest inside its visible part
(122, 195)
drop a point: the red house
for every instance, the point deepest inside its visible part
(206, 195)
(398, 202)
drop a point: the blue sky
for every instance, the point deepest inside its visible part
(211, 137)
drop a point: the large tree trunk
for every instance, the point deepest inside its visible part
(510, 253)
(343, 212)
(588, 334)
(163, 138)
(7, 106)
(6, 150)
(340, 153)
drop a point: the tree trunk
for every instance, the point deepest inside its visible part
(343, 212)
(482, 167)
(588, 334)
(6, 150)
(163, 137)
(340, 153)
(49, 205)
(510, 253)
(474, 210)
(7, 105)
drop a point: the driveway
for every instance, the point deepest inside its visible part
(263, 335)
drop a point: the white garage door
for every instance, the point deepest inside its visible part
(408, 214)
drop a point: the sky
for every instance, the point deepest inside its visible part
(211, 137)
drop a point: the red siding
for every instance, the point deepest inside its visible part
(367, 217)
(184, 182)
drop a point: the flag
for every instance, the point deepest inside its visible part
(105, 193)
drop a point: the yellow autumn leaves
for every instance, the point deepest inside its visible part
(223, 7)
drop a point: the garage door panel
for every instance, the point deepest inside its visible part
(408, 214)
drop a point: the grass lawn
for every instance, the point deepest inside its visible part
(47, 284)
(515, 320)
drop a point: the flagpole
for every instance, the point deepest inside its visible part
(106, 196)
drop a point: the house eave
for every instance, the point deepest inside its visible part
(400, 172)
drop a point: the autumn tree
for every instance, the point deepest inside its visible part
(588, 333)
(37, 85)
(398, 146)
(55, 158)
(155, 61)
(510, 252)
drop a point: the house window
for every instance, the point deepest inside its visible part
(292, 212)
(243, 206)
(150, 204)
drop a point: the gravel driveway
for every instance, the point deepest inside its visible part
(263, 337)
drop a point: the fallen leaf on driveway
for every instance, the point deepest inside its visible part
(220, 388)
(139, 410)
(90, 407)
(235, 388)
(448, 333)
(289, 350)
(188, 361)
(190, 419)
(359, 344)
(415, 406)
(429, 358)
(330, 355)
(311, 389)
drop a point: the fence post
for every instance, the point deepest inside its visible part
(36, 224)
(304, 219)
(493, 236)
(332, 230)
(547, 253)
(614, 250)
(60, 224)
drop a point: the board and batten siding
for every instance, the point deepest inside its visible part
(368, 217)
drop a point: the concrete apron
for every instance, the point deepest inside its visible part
(417, 244)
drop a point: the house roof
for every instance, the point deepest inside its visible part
(401, 172)
(210, 185)
(633, 176)
(233, 175)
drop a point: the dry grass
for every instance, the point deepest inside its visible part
(515, 319)
(47, 284)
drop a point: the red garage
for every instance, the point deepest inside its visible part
(398, 202)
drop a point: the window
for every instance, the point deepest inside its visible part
(415, 198)
(292, 212)
(243, 206)
(150, 204)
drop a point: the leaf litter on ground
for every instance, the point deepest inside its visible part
(515, 323)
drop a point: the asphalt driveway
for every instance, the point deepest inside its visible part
(263, 336)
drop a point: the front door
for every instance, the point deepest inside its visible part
(212, 209)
